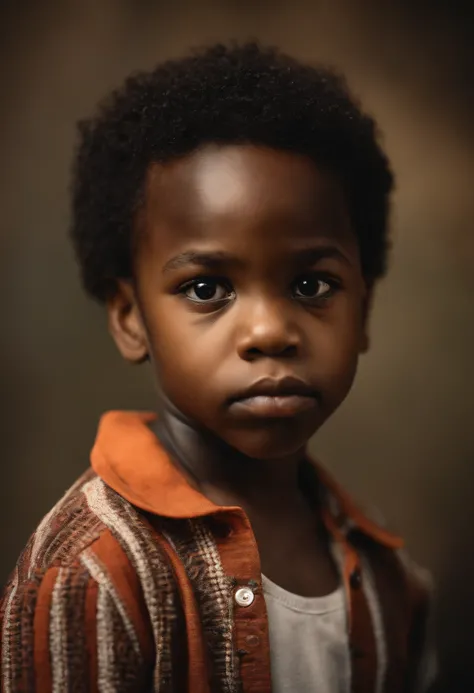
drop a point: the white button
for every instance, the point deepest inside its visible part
(244, 596)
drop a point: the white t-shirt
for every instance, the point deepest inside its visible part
(308, 641)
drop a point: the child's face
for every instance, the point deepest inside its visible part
(248, 269)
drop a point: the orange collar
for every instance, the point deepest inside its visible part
(129, 458)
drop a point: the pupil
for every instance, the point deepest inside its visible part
(308, 287)
(205, 290)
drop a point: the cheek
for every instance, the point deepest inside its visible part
(183, 363)
(336, 349)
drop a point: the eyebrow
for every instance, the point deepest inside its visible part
(200, 259)
(217, 259)
(309, 256)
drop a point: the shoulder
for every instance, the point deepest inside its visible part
(65, 532)
(84, 546)
(401, 592)
(91, 529)
(77, 584)
(400, 596)
(398, 576)
(95, 531)
(395, 560)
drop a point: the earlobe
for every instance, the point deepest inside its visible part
(126, 325)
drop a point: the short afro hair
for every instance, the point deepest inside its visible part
(225, 95)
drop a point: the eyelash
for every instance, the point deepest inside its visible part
(333, 283)
(217, 281)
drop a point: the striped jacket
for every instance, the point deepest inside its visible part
(128, 584)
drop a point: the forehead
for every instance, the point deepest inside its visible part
(224, 195)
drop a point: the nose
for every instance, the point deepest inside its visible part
(267, 330)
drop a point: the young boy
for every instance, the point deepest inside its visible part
(230, 211)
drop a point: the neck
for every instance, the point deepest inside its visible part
(227, 477)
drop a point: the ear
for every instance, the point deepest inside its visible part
(126, 324)
(366, 312)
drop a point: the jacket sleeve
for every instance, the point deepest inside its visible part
(65, 630)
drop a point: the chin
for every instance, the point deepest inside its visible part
(269, 444)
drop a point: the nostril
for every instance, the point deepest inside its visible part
(285, 351)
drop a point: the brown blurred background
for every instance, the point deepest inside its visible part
(404, 439)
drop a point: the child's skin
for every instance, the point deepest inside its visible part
(279, 294)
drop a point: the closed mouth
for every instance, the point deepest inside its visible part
(288, 386)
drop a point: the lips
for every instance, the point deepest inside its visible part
(275, 398)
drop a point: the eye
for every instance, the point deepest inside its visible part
(312, 286)
(206, 291)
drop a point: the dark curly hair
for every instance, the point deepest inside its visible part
(220, 94)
